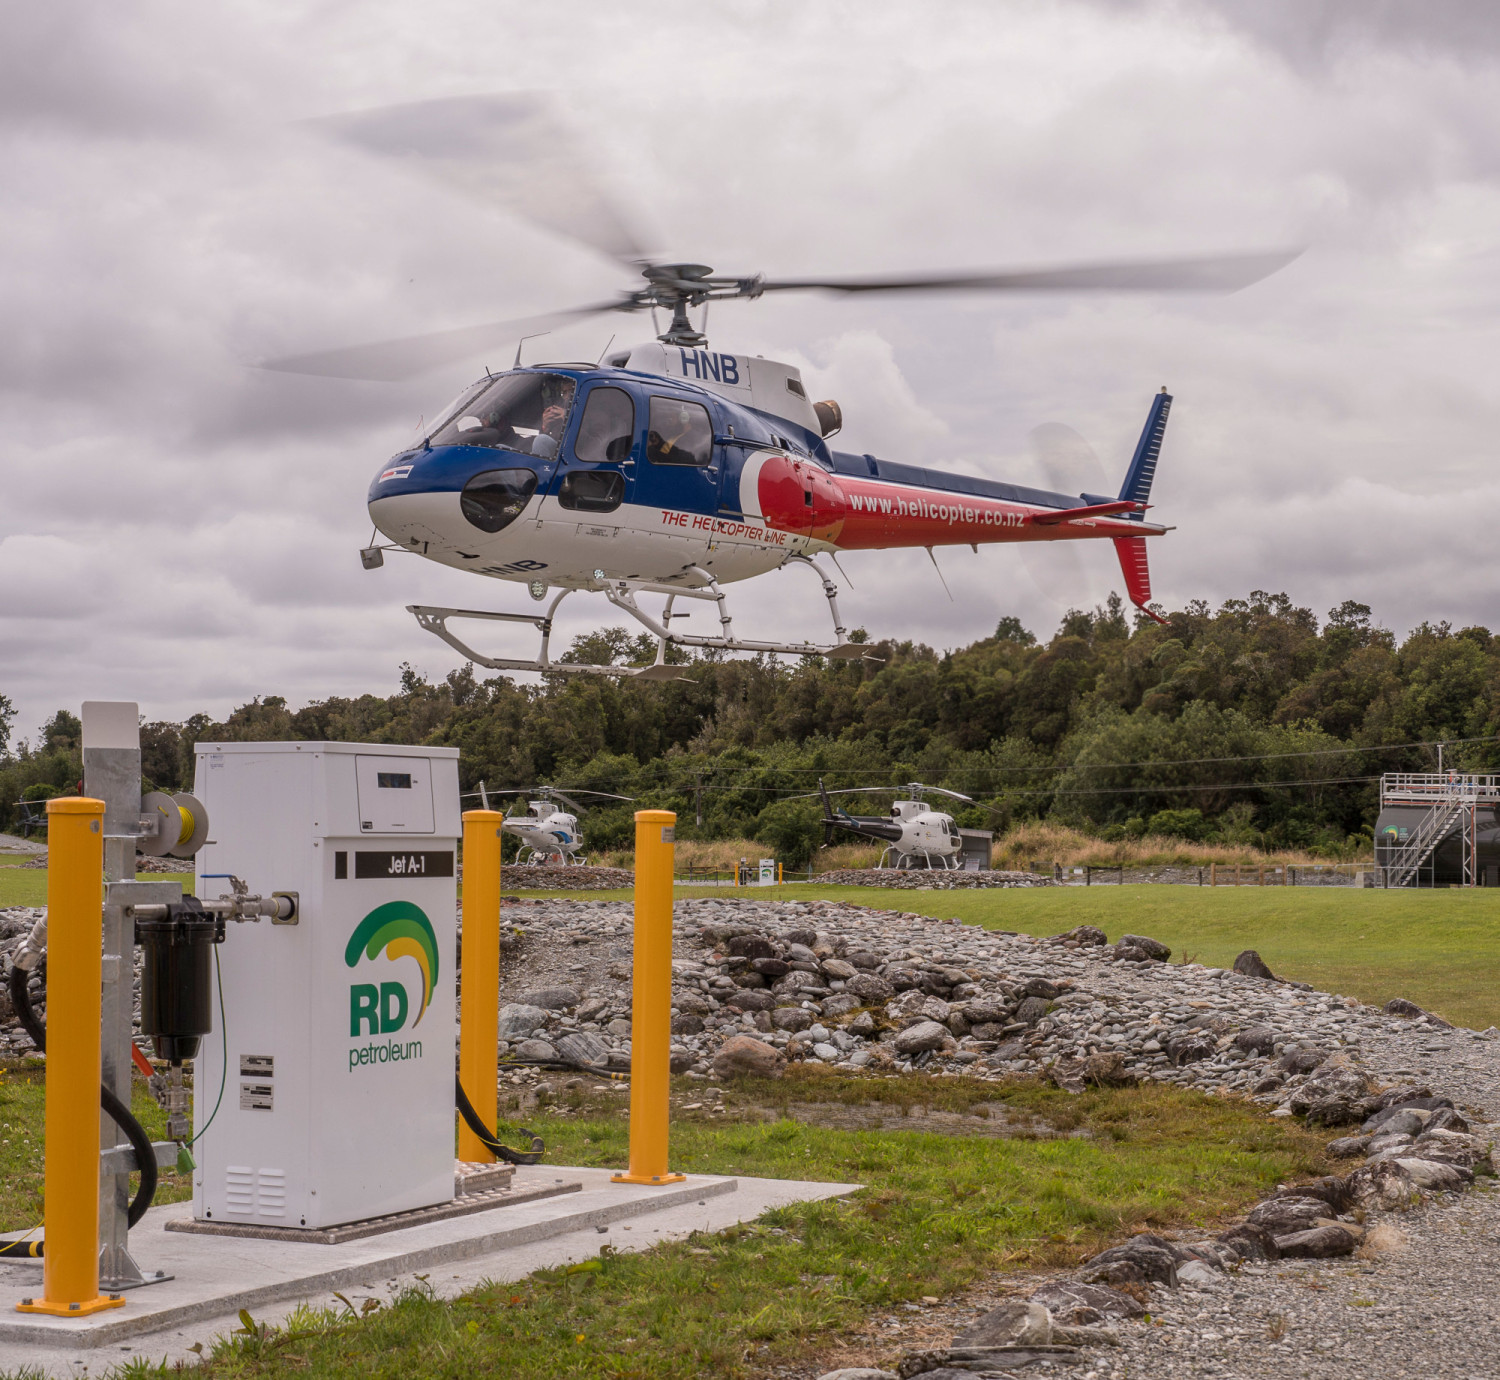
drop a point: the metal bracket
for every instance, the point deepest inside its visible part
(120, 1159)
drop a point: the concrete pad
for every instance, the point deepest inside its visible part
(216, 1277)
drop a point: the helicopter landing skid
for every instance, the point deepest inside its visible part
(623, 595)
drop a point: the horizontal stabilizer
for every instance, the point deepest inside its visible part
(1132, 554)
(1093, 510)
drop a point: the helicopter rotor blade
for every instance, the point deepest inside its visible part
(938, 790)
(1217, 273)
(390, 361)
(514, 149)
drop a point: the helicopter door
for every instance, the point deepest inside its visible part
(597, 474)
(681, 471)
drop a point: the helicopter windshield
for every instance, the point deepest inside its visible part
(521, 412)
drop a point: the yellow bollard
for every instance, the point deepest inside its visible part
(479, 1012)
(75, 939)
(651, 1001)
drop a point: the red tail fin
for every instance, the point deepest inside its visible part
(1132, 554)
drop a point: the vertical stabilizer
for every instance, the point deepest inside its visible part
(1137, 488)
(1137, 485)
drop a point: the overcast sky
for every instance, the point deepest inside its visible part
(182, 530)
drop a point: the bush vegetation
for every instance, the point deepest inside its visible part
(1247, 728)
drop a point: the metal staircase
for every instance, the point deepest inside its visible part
(1452, 800)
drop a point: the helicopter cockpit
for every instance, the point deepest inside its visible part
(526, 413)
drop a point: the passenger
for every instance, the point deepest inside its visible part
(550, 436)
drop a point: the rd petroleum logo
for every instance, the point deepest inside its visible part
(402, 930)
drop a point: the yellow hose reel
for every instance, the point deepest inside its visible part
(181, 824)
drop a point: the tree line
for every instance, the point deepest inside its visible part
(1250, 724)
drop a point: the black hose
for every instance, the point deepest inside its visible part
(487, 1137)
(117, 1111)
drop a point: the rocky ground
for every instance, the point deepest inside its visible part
(1384, 1270)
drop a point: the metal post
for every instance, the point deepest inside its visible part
(70, 1265)
(112, 773)
(651, 1001)
(479, 1011)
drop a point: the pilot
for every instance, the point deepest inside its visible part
(669, 450)
(550, 436)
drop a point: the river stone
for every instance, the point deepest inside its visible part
(582, 1047)
(1083, 934)
(1010, 1324)
(859, 1373)
(870, 987)
(839, 968)
(863, 1024)
(1040, 987)
(1347, 1147)
(687, 1023)
(1332, 1189)
(908, 1005)
(1251, 1242)
(1446, 1119)
(1436, 1175)
(751, 999)
(553, 998)
(1250, 964)
(742, 1055)
(1067, 1300)
(1133, 1262)
(1032, 1009)
(1197, 1274)
(751, 946)
(864, 960)
(1107, 1069)
(1409, 1010)
(923, 1036)
(771, 967)
(529, 1050)
(1283, 1216)
(1301, 1059)
(1317, 1243)
(1257, 1039)
(986, 1011)
(791, 1018)
(689, 1000)
(1384, 1185)
(840, 1003)
(1187, 1046)
(1152, 948)
(517, 1020)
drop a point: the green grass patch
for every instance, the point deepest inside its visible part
(1438, 948)
(935, 1216)
(27, 886)
(23, 1140)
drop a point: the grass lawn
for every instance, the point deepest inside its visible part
(937, 1214)
(1438, 948)
(23, 1100)
(27, 886)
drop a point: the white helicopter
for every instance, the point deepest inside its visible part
(667, 468)
(548, 835)
(915, 835)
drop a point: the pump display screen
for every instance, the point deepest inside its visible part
(393, 780)
(405, 864)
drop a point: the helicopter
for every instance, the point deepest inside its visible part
(669, 468)
(548, 835)
(914, 833)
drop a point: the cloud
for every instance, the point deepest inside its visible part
(178, 527)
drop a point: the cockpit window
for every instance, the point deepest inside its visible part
(606, 435)
(680, 433)
(495, 499)
(520, 412)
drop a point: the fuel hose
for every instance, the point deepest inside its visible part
(117, 1111)
(487, 1137)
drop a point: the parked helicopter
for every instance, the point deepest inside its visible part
(669, 468)
(547, 834)
(916, 835)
